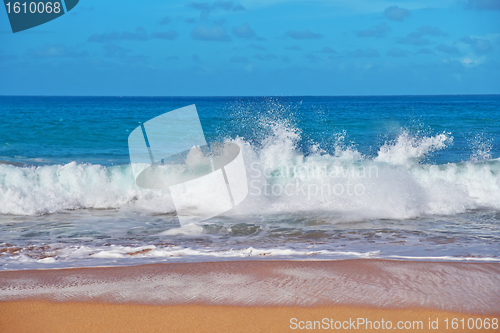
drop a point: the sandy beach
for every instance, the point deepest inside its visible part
(37, 316)
(253, 296)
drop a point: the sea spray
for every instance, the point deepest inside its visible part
(282, 179)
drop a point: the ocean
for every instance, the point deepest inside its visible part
(329, 178)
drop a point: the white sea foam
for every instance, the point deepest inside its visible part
(394, 184)
(50, 189)
(63, 256)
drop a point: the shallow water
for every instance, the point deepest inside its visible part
(329, 178)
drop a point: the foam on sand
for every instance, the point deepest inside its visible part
(468, 288)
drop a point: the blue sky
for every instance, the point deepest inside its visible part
(259, 47)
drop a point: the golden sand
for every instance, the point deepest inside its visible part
(261, 296)
(39, 316)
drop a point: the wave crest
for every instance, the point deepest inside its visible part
(282, 180)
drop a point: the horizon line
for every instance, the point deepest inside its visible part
(249, 96)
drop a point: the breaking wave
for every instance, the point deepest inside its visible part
(396, 183)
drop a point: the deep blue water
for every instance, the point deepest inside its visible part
(68, 196)
(95, 129)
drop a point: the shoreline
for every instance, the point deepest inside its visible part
(432, 260)
(250, 296)
(353, 282)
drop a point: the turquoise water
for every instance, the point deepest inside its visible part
(427, 172)
(44, 130)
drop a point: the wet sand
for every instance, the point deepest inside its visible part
(250, 296)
